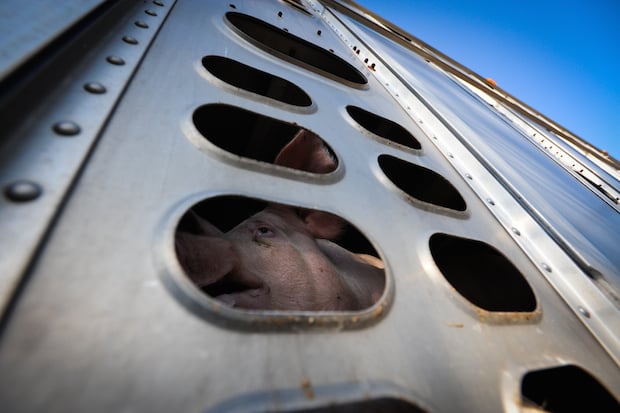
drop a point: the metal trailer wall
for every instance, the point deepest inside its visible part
(103, 152)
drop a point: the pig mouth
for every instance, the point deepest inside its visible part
(233, 284)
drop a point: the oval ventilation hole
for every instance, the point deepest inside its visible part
(253, 255)
(383, 127)
(251, 135)
(256, 81)
(296, 50)
(421, 183)
(566, 389)
(481, 274)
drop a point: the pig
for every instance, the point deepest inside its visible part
(283, 258)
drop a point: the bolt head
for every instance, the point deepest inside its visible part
(115, 60)
(130, 40)
(22, 191)
(66, 128)
(95, 87)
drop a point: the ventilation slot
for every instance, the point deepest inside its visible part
(482, 274)
(382, 127)
(265, 139)
(296, 50)
(421, 183)
(247, 78)
(253, 255)
(566, 389)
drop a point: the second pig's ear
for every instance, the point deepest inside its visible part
(307, 152)
(322, 224)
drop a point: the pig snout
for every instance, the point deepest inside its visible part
(213, 264)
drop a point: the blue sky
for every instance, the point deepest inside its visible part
(560, 57)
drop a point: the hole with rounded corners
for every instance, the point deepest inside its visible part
(482, 274)
(296, 50)
(421, 183)
(566, 389)
(255, 136)
(253, 255)
(383, 127)
(256, 81)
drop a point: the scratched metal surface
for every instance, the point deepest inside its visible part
(97, 327)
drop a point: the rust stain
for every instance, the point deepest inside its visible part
(378, 311)
(306, 387)
(508, 317)
(455, 325)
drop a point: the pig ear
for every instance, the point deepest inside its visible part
(306, 152)
(204, 226)
(322, 224)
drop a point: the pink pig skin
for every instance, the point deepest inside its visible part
(281, 258)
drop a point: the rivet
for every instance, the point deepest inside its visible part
(66, 128)
(515, 231)
(158, 3)
(115, 60)
(130, 40)
(546, 267)
(95, 87)
(151, 12)
(490, 201)
(583, 312)
(141, 24)
(279, 14)
(22, 191)
(450, 155)
(468, 176)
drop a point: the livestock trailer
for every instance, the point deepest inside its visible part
(128, 125)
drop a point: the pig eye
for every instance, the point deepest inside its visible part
(264, 231)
